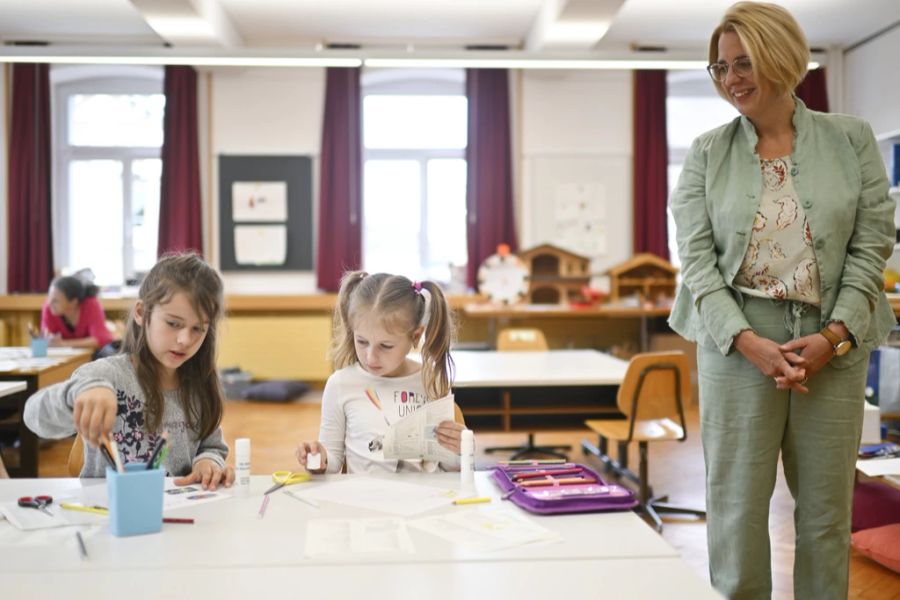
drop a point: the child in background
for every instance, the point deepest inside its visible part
(378, 319)
(164, 380)
(72, 316)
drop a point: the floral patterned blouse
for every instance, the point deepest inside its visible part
(780, 262)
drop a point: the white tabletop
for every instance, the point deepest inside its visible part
(524, 369)
(229, 548)
(11, 387)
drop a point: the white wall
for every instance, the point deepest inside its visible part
(576, 131)
(872, 83)
(266, 111)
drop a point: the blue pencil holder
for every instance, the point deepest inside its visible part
(39, 347)
(135, 499)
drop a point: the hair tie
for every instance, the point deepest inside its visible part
(417, 286)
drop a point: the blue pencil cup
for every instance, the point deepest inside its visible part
(135, 499)
(39, 347)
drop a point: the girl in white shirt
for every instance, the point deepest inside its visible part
(378, 320)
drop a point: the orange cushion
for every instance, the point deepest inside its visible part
(881, 544)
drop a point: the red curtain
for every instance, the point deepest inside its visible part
(489, 197)
(651, 163)
(812, 90)
(30, 242)
(180, 215)
(340, 180)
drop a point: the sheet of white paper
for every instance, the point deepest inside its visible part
(874, 467)
(414, 436)
(28, 519)
(260, 244)
(345, 537)
(10, 536)
(259, 201)
(485, 529)
(189, 495)
(384, 495)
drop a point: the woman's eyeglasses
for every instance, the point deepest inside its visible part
(741, 67)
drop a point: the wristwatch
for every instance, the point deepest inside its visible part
(839, 346)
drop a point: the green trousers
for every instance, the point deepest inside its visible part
(745, 423)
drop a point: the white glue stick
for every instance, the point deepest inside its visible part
(242, 466)
(467, 460)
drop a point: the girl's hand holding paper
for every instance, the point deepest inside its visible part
(208, 474)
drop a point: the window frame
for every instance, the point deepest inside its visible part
(94, 79)
(409, 82)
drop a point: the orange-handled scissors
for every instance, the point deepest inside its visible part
(283, 478)
(38, 502)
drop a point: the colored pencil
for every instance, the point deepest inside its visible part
(263, 506)
(185, 520)
(554, 482)
(159, 446)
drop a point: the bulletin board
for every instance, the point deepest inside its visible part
(265, 213)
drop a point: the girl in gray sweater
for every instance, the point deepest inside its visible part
(164, 380)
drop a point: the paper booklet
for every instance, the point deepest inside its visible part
(415, 436)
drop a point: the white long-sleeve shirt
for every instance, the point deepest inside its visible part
(352, 426)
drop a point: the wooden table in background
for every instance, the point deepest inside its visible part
(16, 364)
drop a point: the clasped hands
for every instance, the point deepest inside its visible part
(791, 364)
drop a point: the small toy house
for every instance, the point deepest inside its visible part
(557, 275)
(646, 276)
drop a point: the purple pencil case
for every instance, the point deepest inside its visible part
(561, 488)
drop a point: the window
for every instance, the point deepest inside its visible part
(107, 141)
(414, 176)
(692, 107)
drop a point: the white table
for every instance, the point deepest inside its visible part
(229, 552)
(8, 388)
(558, 368)
(536, 391)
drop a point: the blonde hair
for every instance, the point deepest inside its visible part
(774, 42)
(402, 306)
(200, 392)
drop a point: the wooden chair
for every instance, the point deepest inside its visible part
(76, 457)
(521, 338)
(525, 339)
(651, 398)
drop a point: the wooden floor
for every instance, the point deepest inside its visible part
(675, 469)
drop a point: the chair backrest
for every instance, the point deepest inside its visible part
(657, 384)
(76, 457)
(457, 414)
(521, 338)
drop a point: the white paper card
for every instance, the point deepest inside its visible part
(415, 437)
(260, 245)
(259, 201)
(384, 495)
(344, 537)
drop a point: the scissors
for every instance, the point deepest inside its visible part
(283, 478)
(38, 502)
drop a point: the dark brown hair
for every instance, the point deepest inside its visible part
(199, 390)
(401, 305)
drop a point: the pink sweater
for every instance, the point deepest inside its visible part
(91, 323)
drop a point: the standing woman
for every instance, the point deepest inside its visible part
(783, 224)
(73, 317)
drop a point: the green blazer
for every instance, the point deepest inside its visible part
(840, 179)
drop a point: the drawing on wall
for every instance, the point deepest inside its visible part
(579, 217)
(260, 245)
(259, 201)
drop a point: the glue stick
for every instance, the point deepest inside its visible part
(467, 460)
(242, 466)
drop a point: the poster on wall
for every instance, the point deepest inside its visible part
(259, 201)
(260, 245)
(580, 217)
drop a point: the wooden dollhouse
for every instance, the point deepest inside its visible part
(646, 276)
(557, 275)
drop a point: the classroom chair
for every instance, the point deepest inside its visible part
(651, 398)
(76, 457)
(525, 339)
